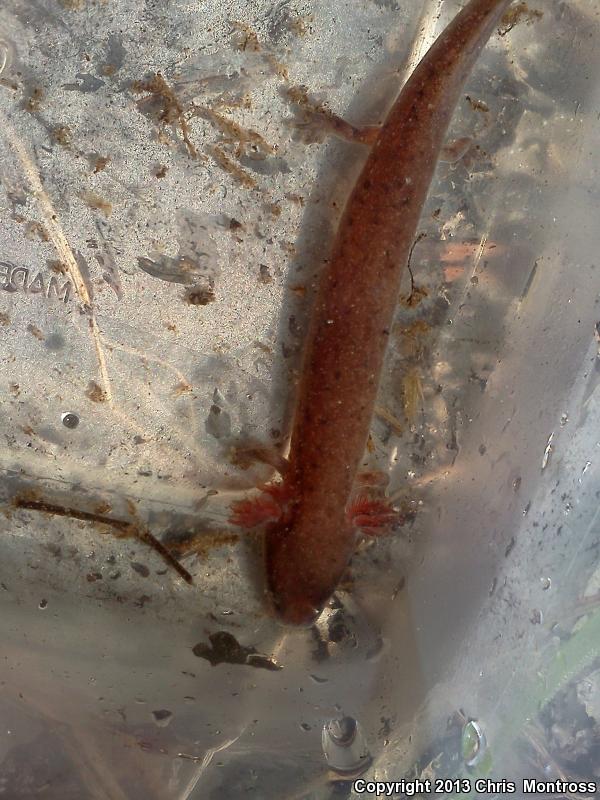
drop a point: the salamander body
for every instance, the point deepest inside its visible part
(309, 546)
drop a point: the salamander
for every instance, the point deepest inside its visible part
(311, 536)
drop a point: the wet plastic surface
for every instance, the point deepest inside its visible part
(164, 207)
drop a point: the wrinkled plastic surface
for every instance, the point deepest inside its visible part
(165, 205)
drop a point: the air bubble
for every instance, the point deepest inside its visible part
(473, 743)
(7, 53)
(69, 420)
(345, 746)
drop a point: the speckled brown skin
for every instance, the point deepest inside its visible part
(308, 551)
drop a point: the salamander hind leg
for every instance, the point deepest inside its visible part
(374, 516)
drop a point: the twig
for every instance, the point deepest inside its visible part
(125, 527)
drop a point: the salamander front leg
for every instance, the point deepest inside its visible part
(314, 121)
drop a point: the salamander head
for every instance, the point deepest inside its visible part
(303, 575)
(299, 612)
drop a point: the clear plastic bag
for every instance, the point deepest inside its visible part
(166, 201)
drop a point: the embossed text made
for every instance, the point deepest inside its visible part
(26, 280)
